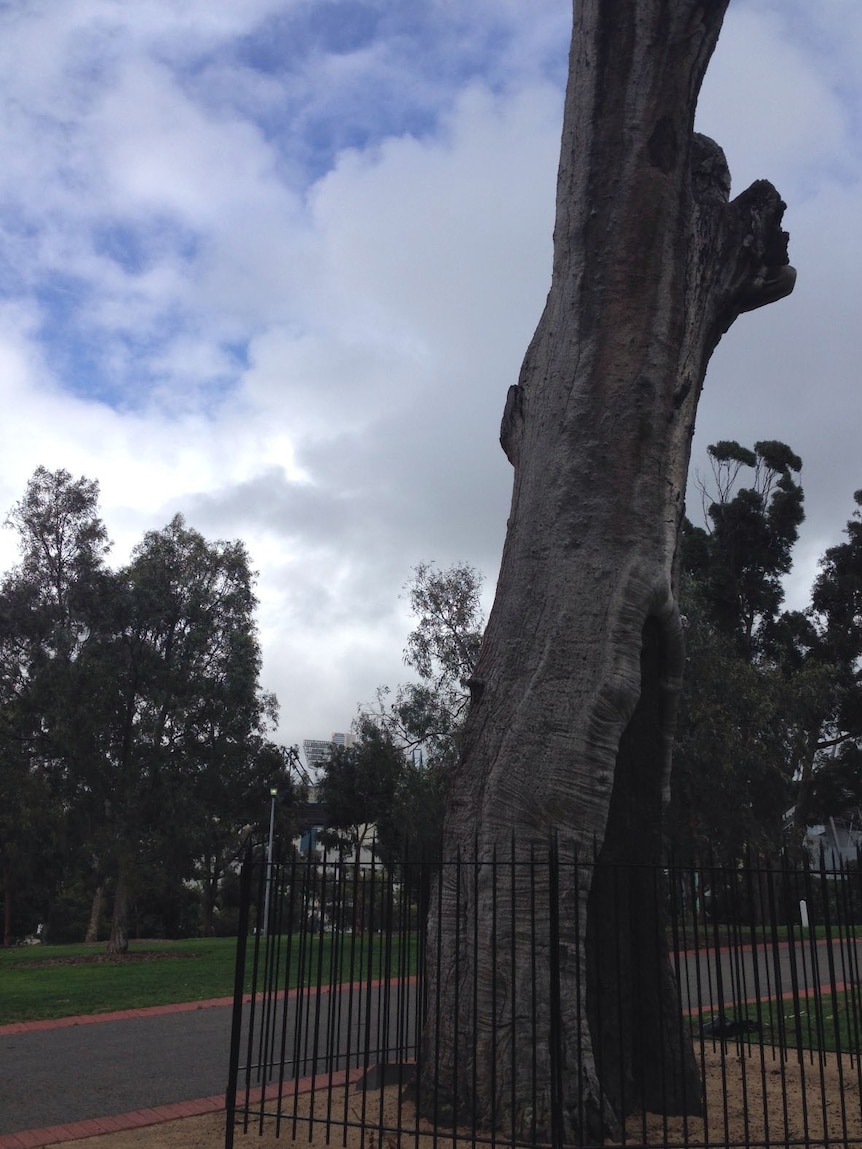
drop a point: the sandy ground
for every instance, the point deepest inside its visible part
(768, 1100)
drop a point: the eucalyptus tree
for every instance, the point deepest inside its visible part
(575, 689)
(181, 708)
(740, 702)
(823, 652)
(358, 785)
(746, 550)
(50, 610)
(425, 717)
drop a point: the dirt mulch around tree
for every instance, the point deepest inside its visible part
(767, 1100)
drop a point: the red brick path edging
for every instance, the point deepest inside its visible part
(93, 1127)
(116, 1015)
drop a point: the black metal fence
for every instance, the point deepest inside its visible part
(742, 984)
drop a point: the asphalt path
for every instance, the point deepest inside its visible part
(100, 1068)
(742, 975)
(70, 1073)
(57, 1074)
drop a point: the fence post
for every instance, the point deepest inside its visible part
(555, 1035)
(238, 989)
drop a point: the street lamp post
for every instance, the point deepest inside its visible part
(273, 791)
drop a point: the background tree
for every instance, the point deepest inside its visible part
(731, 782)
(575, 689)
(822, 651)
(741, 559)
(358, 786)
(132, 726)
(182, 703)
(425, 719)
(427, 716)
(732, 778)
(233, 802)
(50, 612)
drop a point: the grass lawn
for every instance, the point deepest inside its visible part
(41, 982)
(822, 1022)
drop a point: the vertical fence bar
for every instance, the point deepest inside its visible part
(736, 917)
(757, 923)
(419, 878)
(494, 1105)
(286, 895)
(672, 897)
(729, 954)
(700, 957)
(534, 1028)
(300, 1043)
(816, 981)
(555, 1035)
(836, 880)
(513, 981)
(474, 1004)
(634, 1037)
(349, 868)
(238, 994)
(579, 987)
(456, 1109)
(790, 910)
(659, 943)
(438, 959)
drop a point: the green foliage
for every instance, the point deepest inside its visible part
(422, 722)
(358, 785)
(742, 559)
(444, 645)
(132, 725)
(427, 716)
(770, 721)
(827, 643)
(733, 771)
(730, 784)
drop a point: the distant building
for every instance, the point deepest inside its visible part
(838, 841)
(317, 752)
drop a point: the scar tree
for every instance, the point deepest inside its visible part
(575, 688)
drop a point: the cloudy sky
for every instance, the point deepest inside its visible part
(274, 263)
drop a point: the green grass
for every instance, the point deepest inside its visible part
(41, 982)
(805, 1024)
(710, 935)
(31, 988)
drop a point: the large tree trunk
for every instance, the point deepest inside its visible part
(574, 695)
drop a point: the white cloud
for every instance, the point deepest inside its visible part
(303, 291)
(773, 106)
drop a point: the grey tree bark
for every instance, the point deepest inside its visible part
(574, 696)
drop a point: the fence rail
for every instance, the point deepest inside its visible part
(705, 1007)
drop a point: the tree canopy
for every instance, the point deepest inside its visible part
(770, 721)
(133, 730)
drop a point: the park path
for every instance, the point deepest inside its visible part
(80, 1076)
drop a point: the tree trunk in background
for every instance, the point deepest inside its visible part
(96, 908)
(574, 695)
(7, 905)
(209, 885)
(118, 943)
